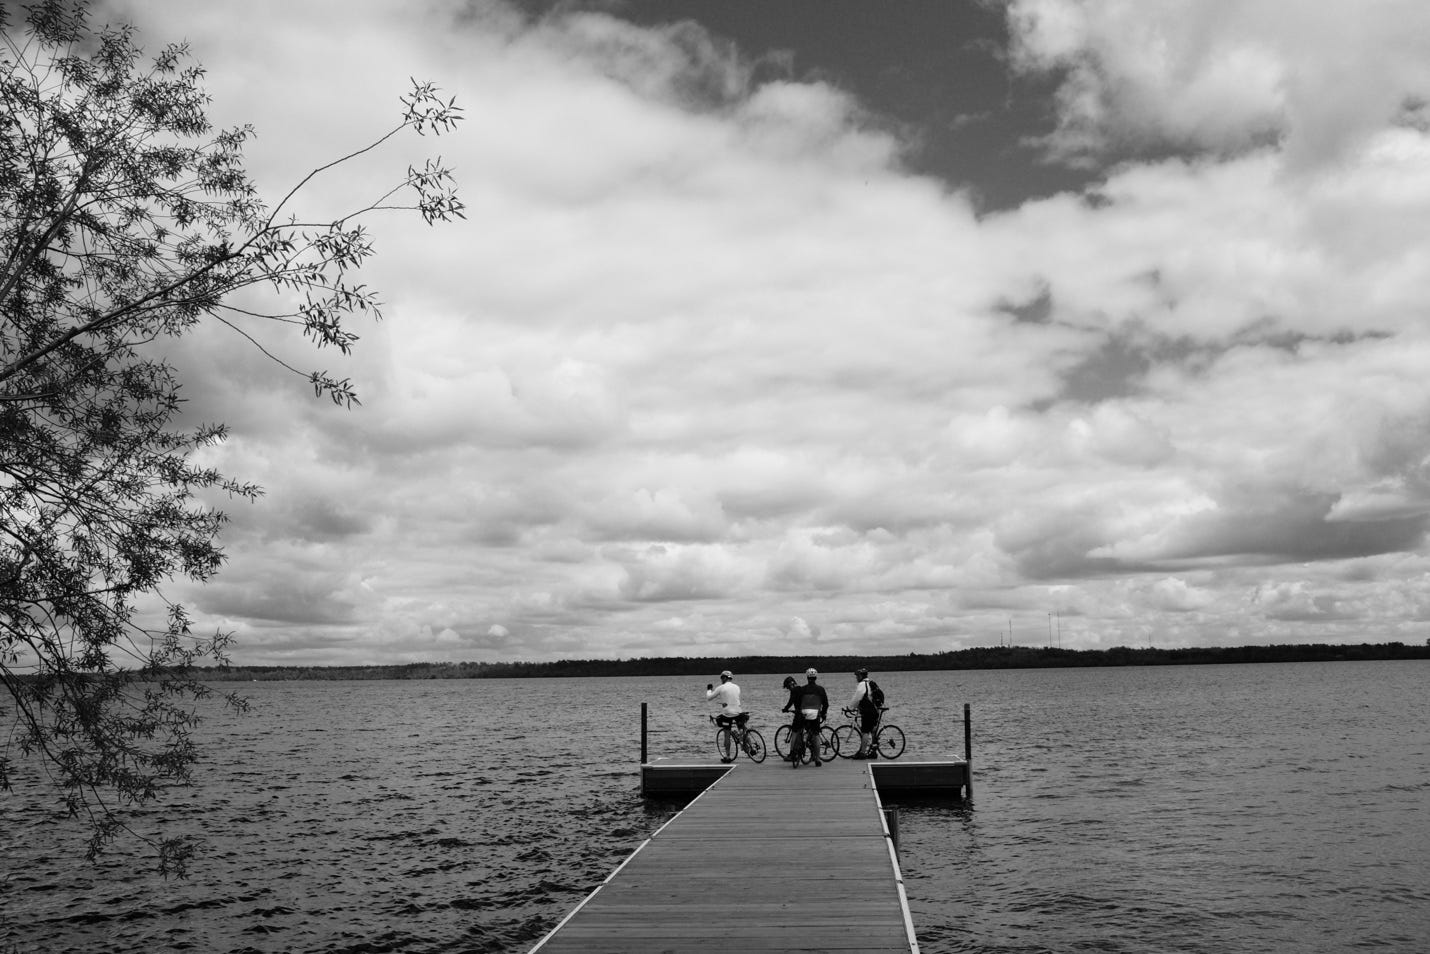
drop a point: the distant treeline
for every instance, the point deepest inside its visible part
(994, 657)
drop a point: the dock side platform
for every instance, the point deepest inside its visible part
(766, 859)
(688, 779)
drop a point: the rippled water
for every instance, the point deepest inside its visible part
(1233, 808)
(1278, 808)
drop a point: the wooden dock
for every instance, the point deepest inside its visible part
(767, 859)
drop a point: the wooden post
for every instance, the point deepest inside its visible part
(967, 751)
(644, 752)
(891, 822)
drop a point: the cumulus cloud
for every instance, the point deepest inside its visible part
(1226, 75)
(1296, 601)
(799, 630)
(707, 371)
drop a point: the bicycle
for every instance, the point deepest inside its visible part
(888, 739)
(732, 738)
(783, 744)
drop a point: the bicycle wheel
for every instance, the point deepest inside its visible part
(782, 742)
(828, 744)
(755, 745)
(725, 744)
(889, 741)
(846, 741)
(806, 751)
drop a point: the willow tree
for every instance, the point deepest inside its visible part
(126, 219)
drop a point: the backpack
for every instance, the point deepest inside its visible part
(875, 695)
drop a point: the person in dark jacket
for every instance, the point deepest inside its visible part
(792, 705)
(812, 705)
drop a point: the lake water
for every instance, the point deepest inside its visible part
(1268, 808)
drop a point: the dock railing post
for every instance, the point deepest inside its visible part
(644, 752)
(968, 751)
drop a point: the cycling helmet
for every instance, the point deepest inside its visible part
(790, 682)
(862, 674)
(727, 674)
(811, 672)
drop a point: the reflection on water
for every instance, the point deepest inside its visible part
(1268, 808)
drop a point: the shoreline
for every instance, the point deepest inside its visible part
(998, 657)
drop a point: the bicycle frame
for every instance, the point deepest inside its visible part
(886, 739)
(734, 737)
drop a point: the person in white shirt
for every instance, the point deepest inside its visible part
(728, 695)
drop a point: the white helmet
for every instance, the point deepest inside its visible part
(812, 672)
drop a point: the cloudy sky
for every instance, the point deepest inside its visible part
(817, 327)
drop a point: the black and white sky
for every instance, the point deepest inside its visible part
(825, 327)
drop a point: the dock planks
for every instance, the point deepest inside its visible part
(768, 859)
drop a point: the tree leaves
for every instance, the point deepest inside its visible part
(126, 219)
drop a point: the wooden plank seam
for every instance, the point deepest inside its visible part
(628, 859)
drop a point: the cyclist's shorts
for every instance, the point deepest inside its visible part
(740, 719)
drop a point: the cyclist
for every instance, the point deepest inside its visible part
(728, 695)
(792, 705)
(868, 715)
(813, 706)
